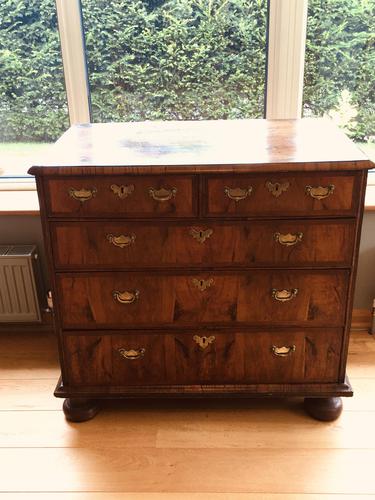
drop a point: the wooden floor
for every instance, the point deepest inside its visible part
(240, 450)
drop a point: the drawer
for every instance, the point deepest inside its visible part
(282, 194)
(120, 300)
(151, 196)
(273, 243)
(203, 357)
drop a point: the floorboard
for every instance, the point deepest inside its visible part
(177, 450)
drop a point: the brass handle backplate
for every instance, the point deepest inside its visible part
(204, 342)
(283, 351)
(82, 194)
(277, 188)
(122, 241)
(122, 191)
(288, 239)
(162, 194)
(284, 295)
(238, 194)
(127, 297)
(320, 192)
(132, 353)
(202, 284)
(200, 235)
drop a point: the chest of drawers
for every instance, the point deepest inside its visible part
(203, 259)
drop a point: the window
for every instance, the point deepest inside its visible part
(340, 66)
(175, 59)
(33, 109)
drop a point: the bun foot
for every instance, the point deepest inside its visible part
(326, 409)
(79, 410)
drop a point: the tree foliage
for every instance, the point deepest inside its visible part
(340, 62)
(177, 59)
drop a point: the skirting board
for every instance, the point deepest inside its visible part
(361, 319)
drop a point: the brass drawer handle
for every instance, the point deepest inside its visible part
(132, 353)
(122, 241)
(204, 342)
(283, 351)
(201, 284)
(200, 235)
(320, 192)
(288, 239)
(127, 297)
(237, 194)
(284, 295)
(122, 191)
(277, 188)
(162, 194)
(83, 194)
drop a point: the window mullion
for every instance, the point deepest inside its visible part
(74, 60)
(286, 52)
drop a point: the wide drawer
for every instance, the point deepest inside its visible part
(282, 194)
(202, 358)
(151, 196)
(275, 243)
(120, 300)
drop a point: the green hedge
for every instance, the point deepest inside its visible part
(179, 59)
(340, 63)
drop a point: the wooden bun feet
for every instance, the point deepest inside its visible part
(79, 410)
(325, 409)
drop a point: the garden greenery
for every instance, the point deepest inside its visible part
(180, 59)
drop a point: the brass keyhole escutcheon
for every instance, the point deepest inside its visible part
(277, 188)
(202, 284)
(201, 235)
(204, 342)
(122, 191)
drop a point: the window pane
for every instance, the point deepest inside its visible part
(33, 109)
(340, 66)
(175, 59)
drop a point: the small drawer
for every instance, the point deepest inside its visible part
(78, 245)
(132, 196)
(202, 357)
(273, 297)
(282, 195)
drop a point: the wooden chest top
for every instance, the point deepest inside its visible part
(202, 146)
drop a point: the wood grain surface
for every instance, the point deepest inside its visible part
(272, 145)
(228, 358)
(85, 245)
(228, 298)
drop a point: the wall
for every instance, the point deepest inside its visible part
(28, 229)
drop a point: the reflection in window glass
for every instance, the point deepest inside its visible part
(33, 108)
(340, 66)
(175, 59)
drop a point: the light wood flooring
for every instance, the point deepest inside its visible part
(172, 450)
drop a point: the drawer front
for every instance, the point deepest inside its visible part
(274, 243)
(203, 358)
(282, 194)
(120, 300)
(154, 196)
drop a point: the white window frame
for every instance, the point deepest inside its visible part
(286, 51)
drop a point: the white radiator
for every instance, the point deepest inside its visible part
(20, 284)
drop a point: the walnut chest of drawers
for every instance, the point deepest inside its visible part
(203, 259)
